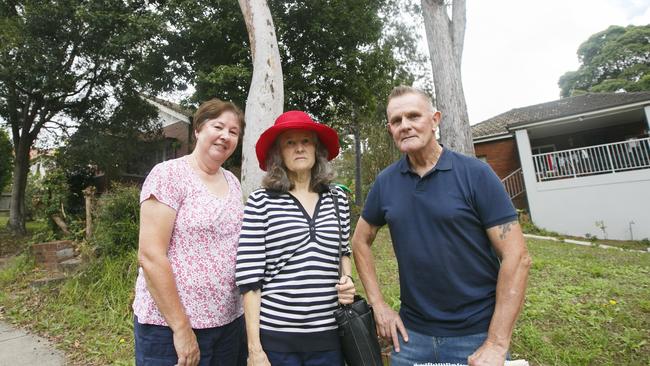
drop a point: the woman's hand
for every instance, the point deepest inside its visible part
(187, 348)
(346, 290)
(257, 358)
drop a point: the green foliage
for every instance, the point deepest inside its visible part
(379, 151)
(6, 160)
(18, 267)
(64, 63)
(131, 126)
(57, 193)
(337, 68)
(615, 59)
(54, 188)
(117, 220)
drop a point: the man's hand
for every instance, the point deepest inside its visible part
(346, 290)
(489, 354)
(187, 348)
(257, 358)
(389, 323)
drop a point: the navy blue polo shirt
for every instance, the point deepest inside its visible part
(447, 267)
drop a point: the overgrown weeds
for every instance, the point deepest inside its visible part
(88, 314)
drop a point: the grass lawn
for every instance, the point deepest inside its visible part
(584, 306)
(9, 244)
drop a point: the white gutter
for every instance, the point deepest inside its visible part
(488, 138)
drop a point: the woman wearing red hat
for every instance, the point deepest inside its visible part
(187, 307)
(288, 256)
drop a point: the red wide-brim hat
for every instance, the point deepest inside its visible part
(296, 120)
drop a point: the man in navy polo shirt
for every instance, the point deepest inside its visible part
(463, 262)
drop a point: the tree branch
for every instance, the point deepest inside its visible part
(246, 10)
(458, 22)
(13, 115)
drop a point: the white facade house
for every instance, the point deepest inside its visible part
(585, 162)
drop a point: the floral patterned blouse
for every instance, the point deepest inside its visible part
(203, 246)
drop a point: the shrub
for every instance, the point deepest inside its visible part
(117, 220)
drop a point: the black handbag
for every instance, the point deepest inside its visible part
(356, 322)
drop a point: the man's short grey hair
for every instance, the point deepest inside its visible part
(401, 90)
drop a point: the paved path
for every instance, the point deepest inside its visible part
(19, 348)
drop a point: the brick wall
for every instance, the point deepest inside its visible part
(502, 155)
(179, 131)
(49, 255)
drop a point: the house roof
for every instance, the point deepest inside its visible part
(565, 107)
(171, 105)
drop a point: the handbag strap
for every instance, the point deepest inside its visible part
(338, 222)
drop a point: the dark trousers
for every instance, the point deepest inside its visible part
(220, 346)
(323, 358)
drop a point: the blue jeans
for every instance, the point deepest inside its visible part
(220, 346)
(422, 349)
(322, 358)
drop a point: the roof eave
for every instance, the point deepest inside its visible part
(579, 116)
(492, 137)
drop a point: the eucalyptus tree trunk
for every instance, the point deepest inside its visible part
(445, 38)
(266, 93)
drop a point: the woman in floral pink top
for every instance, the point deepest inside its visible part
(187, 307)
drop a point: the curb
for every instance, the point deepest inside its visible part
(583, 243)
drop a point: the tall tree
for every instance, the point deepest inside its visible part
(445, 37)
(197, 29)
(6, 159)
(266, 93)
(616, 59)
(61, 60)
(340, 68)
(337, 68)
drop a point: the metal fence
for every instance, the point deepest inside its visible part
(598, 159)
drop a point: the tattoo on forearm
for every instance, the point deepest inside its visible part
(505, 228)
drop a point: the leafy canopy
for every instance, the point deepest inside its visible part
(616, 59)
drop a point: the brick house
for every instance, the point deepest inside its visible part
(575, 162)
(176, 123)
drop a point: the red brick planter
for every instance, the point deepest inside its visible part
(49, 255)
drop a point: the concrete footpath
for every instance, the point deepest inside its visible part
(19, 348)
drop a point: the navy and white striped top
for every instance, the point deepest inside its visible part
(293, 259)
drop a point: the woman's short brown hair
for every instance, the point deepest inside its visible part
(213, 108)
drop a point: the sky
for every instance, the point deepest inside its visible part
(516, 50)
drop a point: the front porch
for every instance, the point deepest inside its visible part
(601, 190)
(631, 154)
